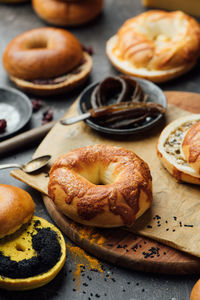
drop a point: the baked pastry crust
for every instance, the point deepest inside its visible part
(156, 45)
(16, 208)
(34, 54)
(70, 81)
(191, 147)
(67, 13)
(195, 294)
(170, 152)
(101, 185)
(47, 53)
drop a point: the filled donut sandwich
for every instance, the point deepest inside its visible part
(47, 61)
(178, 148)
(156, 45)
(32, 251)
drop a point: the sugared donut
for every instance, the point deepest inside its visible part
(16, 208)
(32, 256)
(101, 185)
(67, 13)
(156, 45)
(46, 61)
(191, 147)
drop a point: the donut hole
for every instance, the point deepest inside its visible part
(20, 247)
(37, 44)
(100, 174)
(164, 30)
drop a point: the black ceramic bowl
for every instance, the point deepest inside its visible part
(15, 108)
(155, 94)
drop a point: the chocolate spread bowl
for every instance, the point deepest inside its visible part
(154, 93)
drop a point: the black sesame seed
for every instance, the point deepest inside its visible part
(97, 296)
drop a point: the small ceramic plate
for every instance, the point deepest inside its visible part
(155, 94)
(15, 108)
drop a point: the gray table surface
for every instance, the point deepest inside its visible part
(15, 19)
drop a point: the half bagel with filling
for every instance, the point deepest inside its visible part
(178, 148)
(32, 251)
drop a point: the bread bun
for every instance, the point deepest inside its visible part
(32, 256)
(16, 208)
(195, 294)
(67, 13)
(31, 60)
(170, 152)
(191, 147)
(156, 45)
(101, 185)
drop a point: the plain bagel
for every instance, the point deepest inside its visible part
(101, 185)
(67, 13)
(47, 61)
(156, 45)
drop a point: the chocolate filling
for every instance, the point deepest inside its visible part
(62, 78)
(45, 243)
(120, 102)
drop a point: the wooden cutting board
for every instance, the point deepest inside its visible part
(123, 248)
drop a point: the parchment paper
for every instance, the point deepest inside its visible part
(174, 217)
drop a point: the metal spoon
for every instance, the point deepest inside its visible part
(73, 120)
(31, 166)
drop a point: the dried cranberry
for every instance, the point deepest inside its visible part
(36, 104)
(47, 116)
(3, 125)
(88, 49)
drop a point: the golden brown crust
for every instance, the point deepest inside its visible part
(156, 45)
(101, 186)
(195, 294)
(72, 81)
(42, 53)
(191, 147)
(67, 13)
(16, 208)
